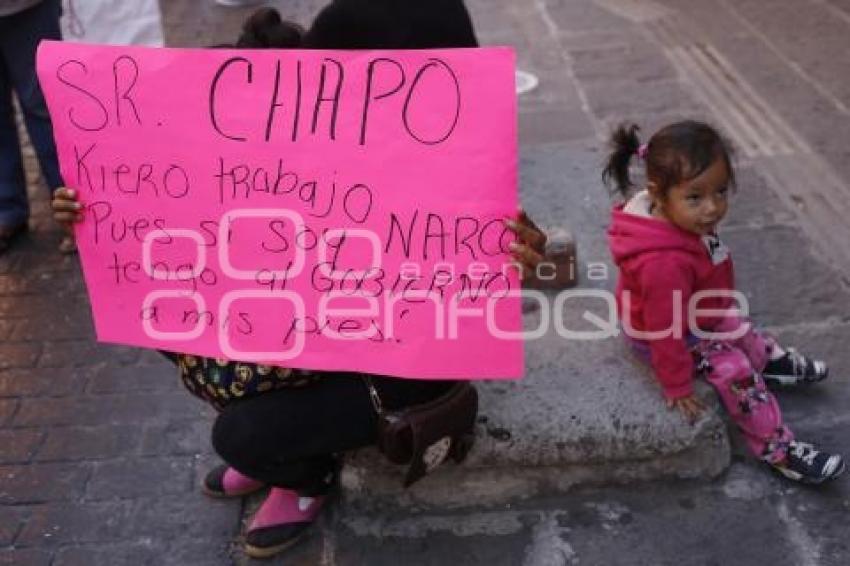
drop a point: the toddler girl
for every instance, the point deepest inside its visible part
(674, 270)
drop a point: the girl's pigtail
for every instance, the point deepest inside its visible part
(624, 144)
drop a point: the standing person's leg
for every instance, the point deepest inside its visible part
(21, 38)
(14, 208)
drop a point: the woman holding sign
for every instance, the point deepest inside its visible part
(288, 427)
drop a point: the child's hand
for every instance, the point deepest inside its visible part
(529, 248)
(690, 407)
(66, 208)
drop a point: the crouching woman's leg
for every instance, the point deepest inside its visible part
(291, 439)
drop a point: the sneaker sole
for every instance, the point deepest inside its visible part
(268, 552)
(787, 381)
(800, 478)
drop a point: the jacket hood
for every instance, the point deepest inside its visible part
(631, 235)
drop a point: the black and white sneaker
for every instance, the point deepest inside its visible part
(806, 465)
(794, 369)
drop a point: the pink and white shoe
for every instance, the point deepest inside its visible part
(224, 481)
(280, 522)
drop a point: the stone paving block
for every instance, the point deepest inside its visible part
(7, 263)
(754, 202)
(816, 32)
(641, 63)
(581, 16)
(99, 409)
(189, 518)
(11, 520)
(178, 437)
(785, 261)
(819, 413)
(161, 376)
(631, 100)
(8, 407)
(46, 282)
(555, 92)
(41, 257)
(60, 326)
(89, 443)
(651, 122)
(490, 15)
(41, 482)
(76, 522)
(707, 20)
(140, 477)
(205, 553)
(791, 96)
(6, 327)
(553, 126)
(79, 353)
(40, 306)
(623, 527)
(601, 38)
(148, 357)
(41, 382)
(120, 554)
(18, 446)
(25, 557)
(437, 549)
(823, 513)
(316, 547)
(18, 355)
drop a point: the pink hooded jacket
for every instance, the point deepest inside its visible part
(656, 259)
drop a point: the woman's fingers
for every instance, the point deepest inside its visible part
(60, 205)
(525, 219)
(525, 255)
(527, 234)
(66, 208)
(67, 216)
(693, 408)
(690, 407)
(65, 192)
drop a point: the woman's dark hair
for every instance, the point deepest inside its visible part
(266, 29)
(676, 153)
(391, 24)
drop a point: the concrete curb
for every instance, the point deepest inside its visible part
(562, 426)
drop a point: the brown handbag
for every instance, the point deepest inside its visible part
(424, 436)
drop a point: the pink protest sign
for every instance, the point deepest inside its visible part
(316, 209)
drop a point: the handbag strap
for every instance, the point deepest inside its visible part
(373, 395)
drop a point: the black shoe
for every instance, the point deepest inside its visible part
(806, 465)
(224, 481)
(793, 369)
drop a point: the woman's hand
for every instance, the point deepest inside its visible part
(690, 407)
(66, 208)
(529, 248)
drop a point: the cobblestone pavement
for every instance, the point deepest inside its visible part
(101, 453)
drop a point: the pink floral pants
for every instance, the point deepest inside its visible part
(733, 367)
